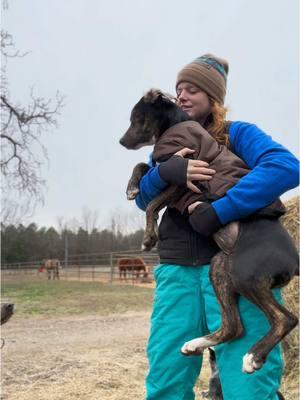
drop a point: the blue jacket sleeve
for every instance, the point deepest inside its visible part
(151, 185)
(274, 170)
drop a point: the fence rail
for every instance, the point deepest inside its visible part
(89, 267)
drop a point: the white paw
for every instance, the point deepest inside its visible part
(249, 365)
(195, 346)
(144, 248)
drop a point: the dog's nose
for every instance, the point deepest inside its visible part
(122, 142)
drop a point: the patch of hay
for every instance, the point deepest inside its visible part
(291, 221)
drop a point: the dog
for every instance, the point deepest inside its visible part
(214, 391)
(7, 310)
(239, 268)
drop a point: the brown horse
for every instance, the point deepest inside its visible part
(134, 266)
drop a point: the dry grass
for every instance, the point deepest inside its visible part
(80, 357)
(77, 357)
(291, 382)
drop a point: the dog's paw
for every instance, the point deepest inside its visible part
(250, 365)
(132, 193)
(194, 347)
(149, 241)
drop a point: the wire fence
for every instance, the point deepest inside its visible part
(102, 267)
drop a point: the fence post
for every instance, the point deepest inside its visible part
(111, 268)
(66, 250)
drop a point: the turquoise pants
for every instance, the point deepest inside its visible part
(185, 307)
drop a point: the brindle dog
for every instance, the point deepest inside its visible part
(256, 254)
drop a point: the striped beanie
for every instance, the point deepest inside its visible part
(207, 72)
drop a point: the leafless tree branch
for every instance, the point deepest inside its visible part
(22, 150)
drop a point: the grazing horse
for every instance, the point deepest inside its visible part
(52, 267)
(133, 266)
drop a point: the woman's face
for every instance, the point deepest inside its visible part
(193, 101)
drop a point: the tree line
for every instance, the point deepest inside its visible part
(29, 243)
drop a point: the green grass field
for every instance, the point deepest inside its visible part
(73, 298)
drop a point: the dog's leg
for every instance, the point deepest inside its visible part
(133, 185)
(231, 327)
(150, 236)
(214, 391)
(226, 237)
(281, 320)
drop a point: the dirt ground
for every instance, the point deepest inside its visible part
(85, 357)
(82, 357)
(75, 357)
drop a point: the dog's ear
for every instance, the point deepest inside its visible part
(153, 96)
(159, 99)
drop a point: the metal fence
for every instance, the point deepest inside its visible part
(101, 267)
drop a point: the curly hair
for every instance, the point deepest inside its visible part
(216, 123)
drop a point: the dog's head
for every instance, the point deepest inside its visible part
(149, 118)
(7, 310)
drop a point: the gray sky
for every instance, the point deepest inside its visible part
(103, 55)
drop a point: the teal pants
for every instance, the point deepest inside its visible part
(185, 307)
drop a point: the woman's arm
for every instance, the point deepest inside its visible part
(274, 170)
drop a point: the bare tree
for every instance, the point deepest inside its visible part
(22, 151)
(126, 222)
(63, 224)
(89, 219)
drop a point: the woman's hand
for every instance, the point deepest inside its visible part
(196, 170)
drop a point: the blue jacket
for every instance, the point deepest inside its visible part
(274, 170)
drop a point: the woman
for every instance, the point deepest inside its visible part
(185, 306)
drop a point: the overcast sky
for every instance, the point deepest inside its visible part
(103, 55)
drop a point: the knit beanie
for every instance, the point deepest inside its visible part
(209, 73)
